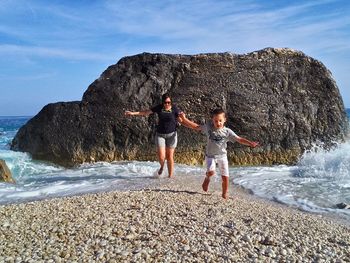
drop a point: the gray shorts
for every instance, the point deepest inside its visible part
(168, 140)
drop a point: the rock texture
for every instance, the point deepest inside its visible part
(280, 97)
(5, 173)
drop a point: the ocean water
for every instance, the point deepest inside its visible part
(319, 181)
(37, 180)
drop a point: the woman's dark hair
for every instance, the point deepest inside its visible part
(165, 96)
(217, 111)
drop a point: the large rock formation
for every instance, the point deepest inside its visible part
(280, 97)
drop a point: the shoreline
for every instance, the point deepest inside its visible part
(156, 181)
(338, 218)
(172, 220)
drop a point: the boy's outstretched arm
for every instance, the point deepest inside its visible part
(244, 141)
(189, 124)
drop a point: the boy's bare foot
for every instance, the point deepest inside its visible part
(205, 184)
(225, 182)
(225, 196)
(160, 171)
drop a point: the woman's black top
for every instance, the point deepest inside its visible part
(167, 118)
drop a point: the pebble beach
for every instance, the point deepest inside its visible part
(171, 221)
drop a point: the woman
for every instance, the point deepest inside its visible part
(166, 136)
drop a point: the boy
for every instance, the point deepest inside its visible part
(217, 137)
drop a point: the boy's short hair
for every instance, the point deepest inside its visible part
(217, 111)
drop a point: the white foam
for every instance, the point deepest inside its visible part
(317, 183)
(321, 163)
(38, 180)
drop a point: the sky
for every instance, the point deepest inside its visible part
(51, 51)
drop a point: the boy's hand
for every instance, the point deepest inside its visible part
(182, 115)
(254, 144)
(127, 113)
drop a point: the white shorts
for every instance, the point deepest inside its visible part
(222, 164)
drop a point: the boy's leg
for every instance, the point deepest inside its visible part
(223, 166)
(225, 186)
(210, 172)
(206, 181)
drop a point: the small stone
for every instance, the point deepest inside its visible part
(270, 252)
(343, 206)
(6, 224)
(186, 248)
(125, 253)
(103, 243)
(130, 236)
(247, 238)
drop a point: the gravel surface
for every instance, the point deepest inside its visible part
(173, 221)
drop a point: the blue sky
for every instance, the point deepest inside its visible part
(52, 50)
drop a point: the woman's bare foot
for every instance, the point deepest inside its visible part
(225, 196)
(205, 184)
(160, 171)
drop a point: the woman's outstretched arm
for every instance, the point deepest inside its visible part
(137, 113)
(189, 124)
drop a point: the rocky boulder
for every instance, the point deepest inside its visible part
(343, 206)
(5, 173)
(280, 97)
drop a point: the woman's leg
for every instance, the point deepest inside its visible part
(171, 143)
(169, 152)
(161, 159)
(160, 143)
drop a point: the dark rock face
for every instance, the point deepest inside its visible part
(282, 98)
(5, 173)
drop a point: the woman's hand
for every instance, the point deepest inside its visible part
(137, 113)
(128, 113)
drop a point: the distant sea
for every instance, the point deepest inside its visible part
(319, 181)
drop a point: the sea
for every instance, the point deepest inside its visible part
(319, 181)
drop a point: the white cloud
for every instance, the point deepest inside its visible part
(205, 25)
(103, 31)
(35, 77)
(225, 25)
(51, 52)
